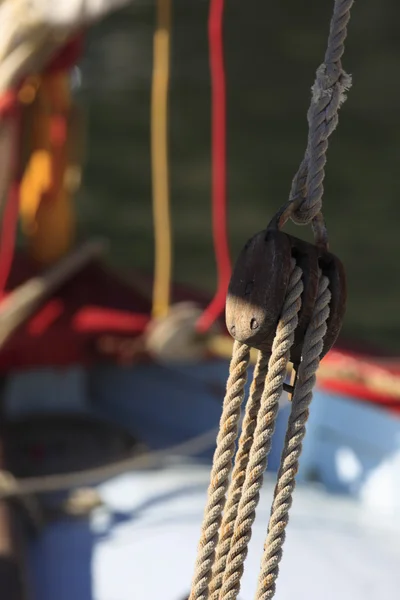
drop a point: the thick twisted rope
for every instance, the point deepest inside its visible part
(262, 437)
(238, 474)
(313, 345)
(328, 94)
(221, 470)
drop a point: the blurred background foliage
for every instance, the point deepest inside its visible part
(272, 50)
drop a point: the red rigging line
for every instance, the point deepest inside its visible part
(9, 109)
(219, 195)
(8, 235)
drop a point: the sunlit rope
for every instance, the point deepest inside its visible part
(159, 160)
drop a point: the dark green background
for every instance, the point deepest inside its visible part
(272, 52)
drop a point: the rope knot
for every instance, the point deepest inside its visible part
(331, 82)
(328, 94)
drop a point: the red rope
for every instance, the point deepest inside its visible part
(10, 109)
(10, 215)
(8, 235)
(219, 203)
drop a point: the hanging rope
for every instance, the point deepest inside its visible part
(259, 451)
(11, 121)
(8, 235)
(221, 470)
(328, 94)
(238, 475)
(159, 160)
(160, 178)
(257, 458)
(223, 552)
(219, 194)
(312, 349)
(10, 209)
(236, 489)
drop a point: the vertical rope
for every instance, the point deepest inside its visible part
(219, 200)
(305, 202)
(238, 474)
(10, 142)
(221, 470)
(328, 94)
(277, 368)
(8, 234)
(159, 159)
(313, 345)
(10, 208)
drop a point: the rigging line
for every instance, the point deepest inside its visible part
(12, 487)
(159, 160)
(11, 203)
(219, 195)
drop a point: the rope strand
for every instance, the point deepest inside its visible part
(238, 474)
(313, 345)
(218, 134)
(221, 470)
(222, 554)
(262, 437)
(159, 160)
(328, 94)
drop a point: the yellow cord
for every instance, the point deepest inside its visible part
(159, 160)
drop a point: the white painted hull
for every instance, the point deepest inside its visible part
(142, 547)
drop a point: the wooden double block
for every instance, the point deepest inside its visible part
(259, 284)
